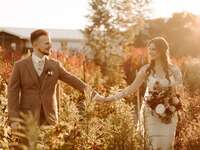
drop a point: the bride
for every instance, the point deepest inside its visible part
(158, 120)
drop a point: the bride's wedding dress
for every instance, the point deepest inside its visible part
(157, 134)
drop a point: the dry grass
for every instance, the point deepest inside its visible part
(85, 125)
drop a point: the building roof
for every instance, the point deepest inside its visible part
(56, 34)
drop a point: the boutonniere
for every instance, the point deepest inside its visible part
(49, 72)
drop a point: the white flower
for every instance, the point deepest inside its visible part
(160, 109)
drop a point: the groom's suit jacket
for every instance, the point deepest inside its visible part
(29, 92)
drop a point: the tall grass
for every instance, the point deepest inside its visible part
(85, 124)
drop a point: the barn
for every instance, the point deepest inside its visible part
(15, 41)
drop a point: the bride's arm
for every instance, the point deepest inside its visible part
(140, 77)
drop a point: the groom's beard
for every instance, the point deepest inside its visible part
(45, 51)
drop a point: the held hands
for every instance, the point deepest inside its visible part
(100, 98)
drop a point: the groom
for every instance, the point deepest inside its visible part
(32, 86)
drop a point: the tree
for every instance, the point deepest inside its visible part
(180, 34)
(181, 31)
(113, 26)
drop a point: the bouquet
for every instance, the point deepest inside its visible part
(164, 102)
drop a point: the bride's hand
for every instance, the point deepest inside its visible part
(109, 99)
(100, 98)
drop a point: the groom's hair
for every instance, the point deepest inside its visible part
(37, 33)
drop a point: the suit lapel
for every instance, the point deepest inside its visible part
(32, 70)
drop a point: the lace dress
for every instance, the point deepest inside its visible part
(159, 135)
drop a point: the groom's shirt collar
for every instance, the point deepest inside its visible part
(37, 59)
(38, 63)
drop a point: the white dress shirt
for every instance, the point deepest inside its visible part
(38, 63)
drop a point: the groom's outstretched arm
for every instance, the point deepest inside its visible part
(72, 80)
(13, 93)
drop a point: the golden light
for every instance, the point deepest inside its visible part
(167, 7)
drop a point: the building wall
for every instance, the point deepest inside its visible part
(76, 45)
(70, 45)
(11, 42)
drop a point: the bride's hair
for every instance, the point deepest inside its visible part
(162, 46)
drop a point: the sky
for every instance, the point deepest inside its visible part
(70, 14)
(165, 8)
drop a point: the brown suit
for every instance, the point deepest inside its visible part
(29, 92)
